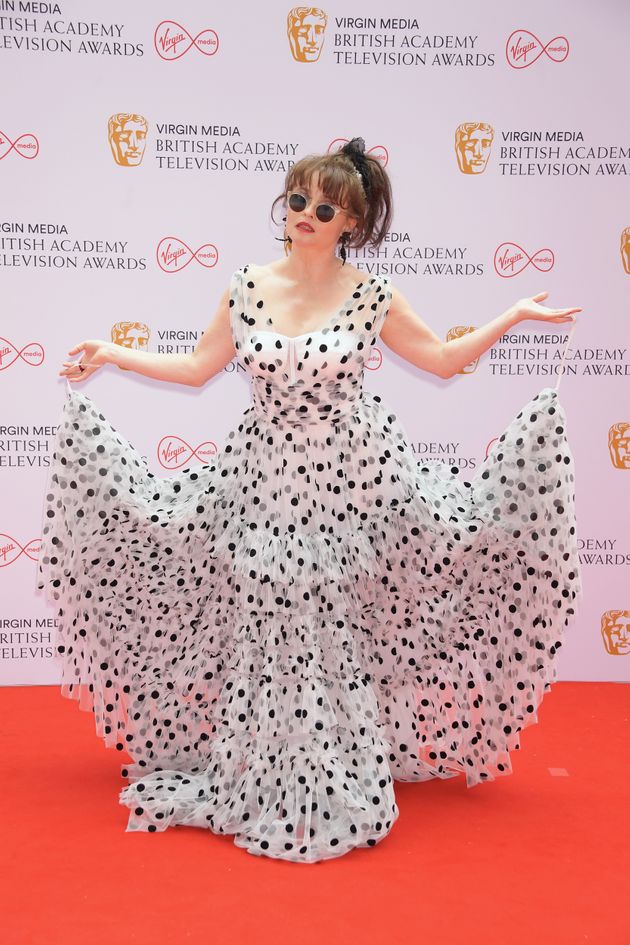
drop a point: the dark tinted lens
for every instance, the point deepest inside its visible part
(325, 213)
(297, 202)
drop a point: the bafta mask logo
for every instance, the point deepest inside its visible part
(625, 249)
(306, 29)
(619, 445)
(131, 335)
(127, 134)
(473, 141)
(616, 632)
(457, 332)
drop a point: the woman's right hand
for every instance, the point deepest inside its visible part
(95, 353)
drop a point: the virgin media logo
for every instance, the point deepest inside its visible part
(491, 443)
(173, 255)
(172, 41)
(10, 549)
(378, 151)
(32, 354)
(27, 146)
(510, 259)
(522, 49)
(173, 452)
(374, 359)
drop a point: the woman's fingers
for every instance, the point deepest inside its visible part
(563, 314)
(72, 366)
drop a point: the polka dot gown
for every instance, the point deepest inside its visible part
(275, 637)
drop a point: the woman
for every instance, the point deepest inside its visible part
(277, 636)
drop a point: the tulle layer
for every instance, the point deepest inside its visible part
(304, 803)
(258, 650)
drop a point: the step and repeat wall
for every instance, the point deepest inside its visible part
(141, 148)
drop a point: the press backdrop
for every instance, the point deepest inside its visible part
(141, 147)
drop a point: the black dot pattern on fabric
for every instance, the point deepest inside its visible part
(275, 637)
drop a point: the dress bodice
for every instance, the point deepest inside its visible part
(313, 377)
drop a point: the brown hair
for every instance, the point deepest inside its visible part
(338, 181)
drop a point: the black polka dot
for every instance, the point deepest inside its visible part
(275, 637)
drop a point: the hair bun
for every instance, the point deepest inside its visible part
(356, 145)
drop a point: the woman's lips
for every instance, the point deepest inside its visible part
(306, 227)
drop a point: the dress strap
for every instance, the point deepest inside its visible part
(68, 386)
(238, 307)
(564, 354)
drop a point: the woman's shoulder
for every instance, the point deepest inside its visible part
(252, 270)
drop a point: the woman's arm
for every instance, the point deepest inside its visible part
(174, 368)
(216, 346)
(406, 333)
(214, 350)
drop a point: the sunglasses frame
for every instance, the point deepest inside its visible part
(322, 204)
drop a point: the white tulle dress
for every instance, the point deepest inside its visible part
(278, 636)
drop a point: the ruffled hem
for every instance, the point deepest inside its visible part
(430, 622)
(303, 803)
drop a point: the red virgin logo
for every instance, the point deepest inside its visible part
(173, 452)
(27, 146)
(378, 151)
(172, 41)
(10, 549)
(522, 49)
(495, 439)
(173, 255)
(32, 354)
(510, 259)
(374, 359)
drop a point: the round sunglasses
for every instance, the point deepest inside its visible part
(325, 212)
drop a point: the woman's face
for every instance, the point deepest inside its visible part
(324, 236)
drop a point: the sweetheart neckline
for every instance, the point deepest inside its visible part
(272, 331)
(359, 285)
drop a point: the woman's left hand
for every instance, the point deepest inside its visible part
(531, 308)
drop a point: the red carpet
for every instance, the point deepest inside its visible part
(536, 856)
